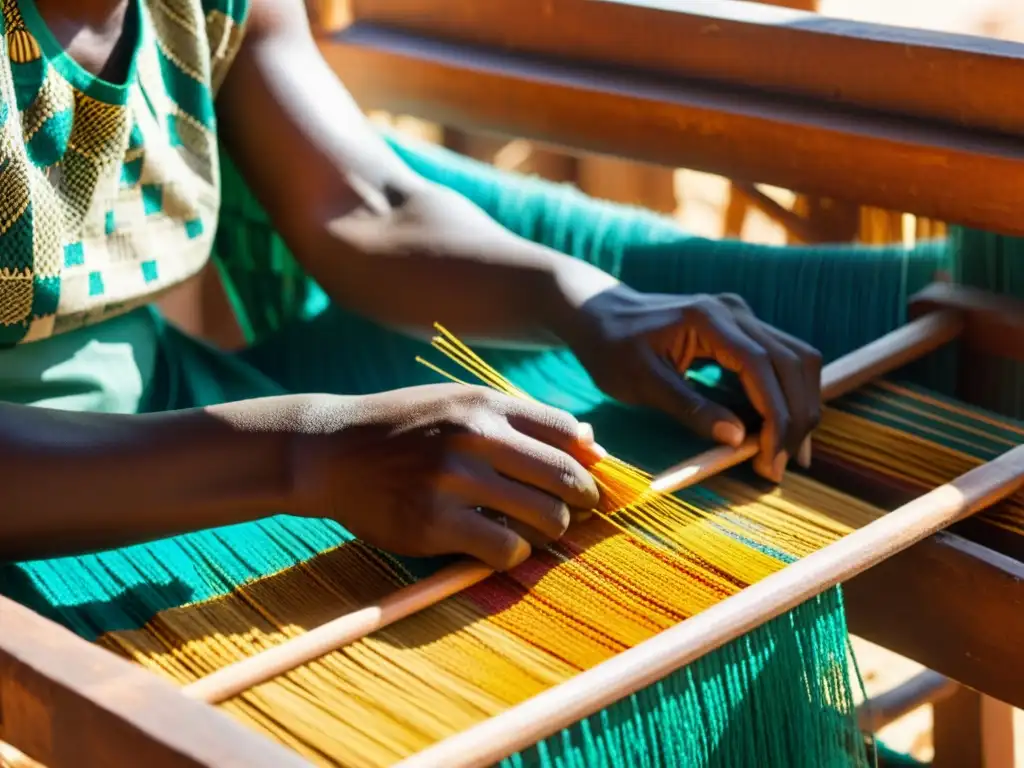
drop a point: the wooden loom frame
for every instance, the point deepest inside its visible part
(67, 702)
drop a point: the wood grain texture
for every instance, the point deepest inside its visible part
(71, 704)
(961, 79)
(633, 669)
(941, 601)
(892, 162)
(993, 324)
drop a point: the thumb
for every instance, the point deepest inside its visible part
(669, 392)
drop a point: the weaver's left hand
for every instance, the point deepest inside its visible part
(636, 346)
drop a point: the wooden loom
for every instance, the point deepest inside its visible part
(922, 123)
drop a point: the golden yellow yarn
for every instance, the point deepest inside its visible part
(610, 583)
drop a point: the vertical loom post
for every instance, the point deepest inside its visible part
(650, 661)
(843, 375)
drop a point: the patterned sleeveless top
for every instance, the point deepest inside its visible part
(109, 193)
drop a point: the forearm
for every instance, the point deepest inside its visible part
(380, 239)
(84, 482)
(439, 258)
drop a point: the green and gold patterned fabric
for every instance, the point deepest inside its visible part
(109, 192)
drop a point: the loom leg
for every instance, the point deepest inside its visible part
(736, 210)
(971, 730)
(629, 183)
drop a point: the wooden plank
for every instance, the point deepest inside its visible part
(994, 324)
(70, 704)
(965, 80)
(943, 173)
(951, 605)
(971, 730)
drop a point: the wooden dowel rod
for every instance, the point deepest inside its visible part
(840, 377)
(243, 675)
(644, 664)
(926, 687)
(13, 758)
(886, 354)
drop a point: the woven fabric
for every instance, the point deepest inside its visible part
(109, 193)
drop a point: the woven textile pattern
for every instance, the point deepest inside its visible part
(109, 193)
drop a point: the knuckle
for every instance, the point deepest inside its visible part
(704, 304)
(548, 516)
(733, 301)
(760, 361)
(805, 353)
(453, 475)
(573, 481)
(559, 421)
(789, 359)
(562, 471)
(481, 398)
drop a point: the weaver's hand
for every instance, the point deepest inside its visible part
(444, 469)
(636, 346)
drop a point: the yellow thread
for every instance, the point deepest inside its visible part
(645, 563)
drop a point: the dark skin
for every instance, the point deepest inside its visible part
(405, 470)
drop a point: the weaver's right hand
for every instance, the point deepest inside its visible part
(416, 471)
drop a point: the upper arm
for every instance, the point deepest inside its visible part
(302, 144)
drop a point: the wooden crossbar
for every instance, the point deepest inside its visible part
(934, 169)
(961, 80)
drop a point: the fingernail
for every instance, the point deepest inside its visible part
(521, 554)
(582, 515)
(803, 458)
(728, 433)
(586, 433)
(779, 466)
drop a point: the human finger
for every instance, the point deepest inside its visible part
(666, 389)
(463, 530)
(556, 427)
(736, 351)
(540, 511)
(531, 462)
(810, 409)
(788, 368)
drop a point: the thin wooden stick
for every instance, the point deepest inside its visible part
(644, 664)
(13, 758)
(243, 675)
(926, 687)
(844, 375)
(896, 349)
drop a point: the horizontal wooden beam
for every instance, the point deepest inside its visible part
(952, 605)
(70, 704)
(993, 324)
(937, 171)
(964, 80)
(926, 687)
